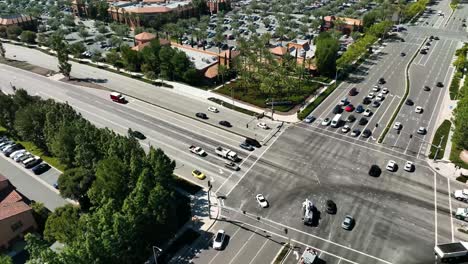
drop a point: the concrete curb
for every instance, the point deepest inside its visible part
(279, 252)
(397, 110)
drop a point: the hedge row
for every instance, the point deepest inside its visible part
(311, 107)
(442, 131)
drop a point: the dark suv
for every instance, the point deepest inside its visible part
(201, 115)
(375, 171)
(331, 207)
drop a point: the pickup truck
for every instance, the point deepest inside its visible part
(462, 214)
(461, 195)
(197, 150)
(227, 154)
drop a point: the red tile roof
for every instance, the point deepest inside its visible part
(145, 36)
(11, 198)
(140, 47)
(9, 210)
(15, 19)
(212, 71)
(3, 178)
(149, 10)
(280, 51)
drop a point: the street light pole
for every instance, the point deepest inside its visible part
(438, 147)
(154, 254)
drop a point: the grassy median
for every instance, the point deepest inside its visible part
(442, 131)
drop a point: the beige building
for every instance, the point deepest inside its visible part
(16, 218)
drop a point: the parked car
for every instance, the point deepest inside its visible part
(366, 133)
(439, 84)
(330, 207)
(351, 118)
(261, 200)
(12, 149)
(326, 121)
(348, 223)
(421, 130)
(426, 88)
(136, 134)
(225, 123)
(409, 102)
(246, 146)
(385, 90)
(375, 104)
(397, 126)
(376, 88)
(366, 101)
(359, 109)
(253, 142)
(32, 163)
(24, 157)
(349, 108)
(41, 168)
(381, 80)
(391, 165)
(18, 153)
(219, 240)
(345, 129)
(355, 132)
(363, 121)
(337, 109)
(402, 54)
(367, 112)
(375, 171)
(418, 109)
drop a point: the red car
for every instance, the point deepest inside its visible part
(349, 108)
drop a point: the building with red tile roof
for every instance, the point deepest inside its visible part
(343, 24)
(16, 218)
(23, 21)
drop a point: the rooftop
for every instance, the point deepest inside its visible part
(14, 19)
(151, 6)
(201, 59)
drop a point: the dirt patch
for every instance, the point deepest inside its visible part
(88, 82)
(464, 156)
(28, 67)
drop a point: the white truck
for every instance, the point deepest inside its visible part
(197, 150)
(461, 195)
(227, 154)
(456, 252)
(462, 214)
(307, 212)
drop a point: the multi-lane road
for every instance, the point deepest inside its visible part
(399, 215)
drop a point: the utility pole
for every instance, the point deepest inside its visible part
(438, 147)
(209, 201)
(272, 101)
(156, 255)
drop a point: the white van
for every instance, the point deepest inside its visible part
(336, 120)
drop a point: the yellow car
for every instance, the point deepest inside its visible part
(200, 175)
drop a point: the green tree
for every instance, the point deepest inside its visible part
(111, 181)
(102, 29)
(29, 123)
(41, 213)
(5, 259)
(13, 32)
(326, 54)
(83, 33)
(114, 59)
(116, 42)
(76, 49)
(63, 224)
(460, 135)
(28, 37)
(99, 38)
(62, 55)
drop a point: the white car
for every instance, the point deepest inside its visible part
(261, 200)
(385, 90)
(326, 122)
(18, 156)
(421, 130)
(397, 126)
(380, 97)
(213, 109)
(371, 95)
(376, 88)
(418, 109)
(367, 112)
(309, 119)
(219, 239)
(409, 166)
(391, 165)
(16, 152)
(262, 125)
(345, 129)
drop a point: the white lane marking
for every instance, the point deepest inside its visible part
(219, 251)
(450, 205)
(386, 109)
(435, 207)
(316, 249)
(251, 166)
(297, 254)
(243, 246)
(258, 251)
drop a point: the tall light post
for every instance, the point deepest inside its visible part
(155, 255)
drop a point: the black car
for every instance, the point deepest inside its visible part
(375, 104)
(353, 91)
(440, 84)
(253, 142)
(409, 102)
(41, 168)
(366, 101)
(201, 115)
(337, 109)
(13, 149)
(32, 163)
(225, 123)
(375, 171)
(363, 121)
(246, 146)
(428, 43)
(402, 54)
(382, 81)
(427, 88)
(331, 207)
(436, 38)
(423, 51)
(136, 134)
(431, 37)
(351, 119)
(366, 133)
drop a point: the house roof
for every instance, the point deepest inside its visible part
(212, 72)
(3, 178)
(280, 51)
(11, 209)
(346, 20)
(15, 19)
(149, 10)
(145, 36)
(141, 46)
(229, 54)
(11, 198)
